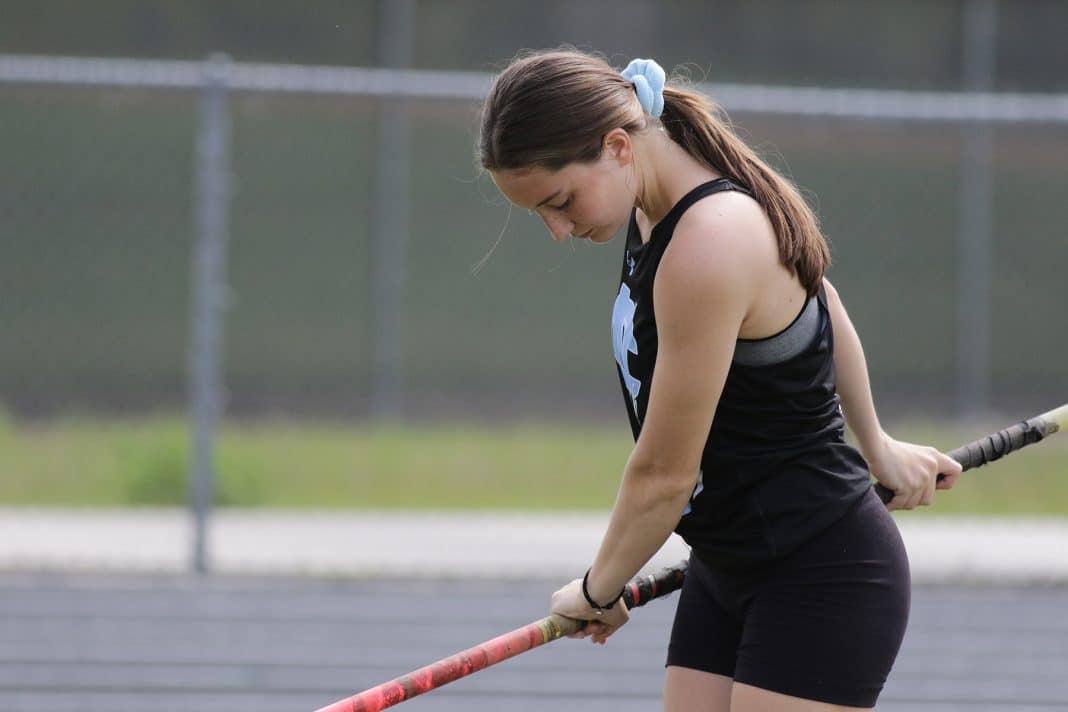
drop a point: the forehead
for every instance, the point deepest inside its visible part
(527, 187)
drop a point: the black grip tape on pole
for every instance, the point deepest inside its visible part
(644, 589)
(989, 448)
(999, 444)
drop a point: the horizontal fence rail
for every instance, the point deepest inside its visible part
(375, 153)
(424, 84)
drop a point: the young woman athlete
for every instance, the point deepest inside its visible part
(737, 360)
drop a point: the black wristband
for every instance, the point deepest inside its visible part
(593, 604)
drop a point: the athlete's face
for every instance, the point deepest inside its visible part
(585, 200)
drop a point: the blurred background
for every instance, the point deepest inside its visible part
(281, 241)
(99, 217)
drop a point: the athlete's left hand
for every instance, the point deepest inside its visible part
(569, 602)
(911, 471)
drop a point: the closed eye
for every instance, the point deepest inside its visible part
(563, 205)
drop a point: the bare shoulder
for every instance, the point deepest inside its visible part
(832, 293)
(723, 243)
(711, 272)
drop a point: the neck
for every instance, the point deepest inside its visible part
(666, 172)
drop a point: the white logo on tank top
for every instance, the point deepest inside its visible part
(696, 491)
(623, 341)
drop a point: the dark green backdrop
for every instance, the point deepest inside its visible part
(96, 209)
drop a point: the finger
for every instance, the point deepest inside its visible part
(602, 637)
(913, 497)
(949, 469)
(594, 628)
(906, 497)
(581, 633)
(948, 466)
(939, 465)
(919, 494)
(928, 491)
(900, 501)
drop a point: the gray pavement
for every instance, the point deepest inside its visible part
(133, 643)
(97, 614)
(490, 545)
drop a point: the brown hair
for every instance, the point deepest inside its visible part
(549, 109)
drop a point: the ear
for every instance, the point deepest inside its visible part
(616, 145)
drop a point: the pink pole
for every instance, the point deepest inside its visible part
(637, 593)
(459, 665)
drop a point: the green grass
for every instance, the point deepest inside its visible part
(91, 462)
(83, 462)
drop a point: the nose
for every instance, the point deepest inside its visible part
(559, 226)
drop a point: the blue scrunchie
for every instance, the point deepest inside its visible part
(648, 79)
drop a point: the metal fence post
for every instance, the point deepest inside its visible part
(975, 229)
(391, 219)
(208, 294)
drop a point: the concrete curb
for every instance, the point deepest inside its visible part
(942, 550)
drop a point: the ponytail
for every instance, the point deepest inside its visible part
(700, 126)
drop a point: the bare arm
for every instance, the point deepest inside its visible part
(699, 309)
(854, 388)
(701, 297)
(908, 470)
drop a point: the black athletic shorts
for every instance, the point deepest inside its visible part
(825, 623)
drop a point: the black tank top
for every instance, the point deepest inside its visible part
(776, 469)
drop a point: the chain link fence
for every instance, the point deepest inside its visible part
(268, 239)
(99, 222)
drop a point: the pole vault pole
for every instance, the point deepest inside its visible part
(637, 593)
(646, 588)
(997, 445)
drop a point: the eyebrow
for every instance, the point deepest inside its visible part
(547, 200)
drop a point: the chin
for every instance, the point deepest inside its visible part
(603, 235)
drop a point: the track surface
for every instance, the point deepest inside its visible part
(93, 644)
